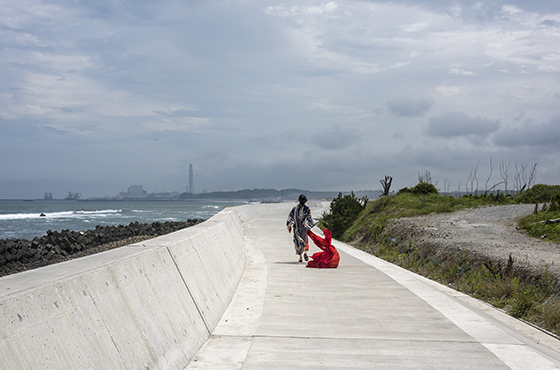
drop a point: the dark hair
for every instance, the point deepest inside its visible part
(302, 199)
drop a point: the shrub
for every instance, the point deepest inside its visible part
(538, 194)
(424, 188)
(404, 190)
(536, 225)
(343, 211)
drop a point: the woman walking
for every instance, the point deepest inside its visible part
(300, 220)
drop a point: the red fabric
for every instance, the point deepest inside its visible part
(329, 257)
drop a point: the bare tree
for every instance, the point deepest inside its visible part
(517, 178)
(493, 186)
(475, 179)
(489, 176)
(386, 184)
(520, 177)
(472, 179)
(532, 175)
(469, 181)
(424, 177)
(504, 169)
(524, 179)
(446, 185)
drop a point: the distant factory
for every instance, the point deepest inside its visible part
(135, 192)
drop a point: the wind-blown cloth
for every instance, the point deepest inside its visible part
(329, 256)
(300, 221)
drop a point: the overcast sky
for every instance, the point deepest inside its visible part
(99, 95)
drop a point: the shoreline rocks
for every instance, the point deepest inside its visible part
(17, 255)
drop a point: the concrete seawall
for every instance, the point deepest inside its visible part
(150, 305)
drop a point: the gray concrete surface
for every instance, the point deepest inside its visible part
(150, 305)
(366, 314)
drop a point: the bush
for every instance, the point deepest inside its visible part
(404, 190)
(537, 225)
(424, 188)
(343, 211)
(538, 194)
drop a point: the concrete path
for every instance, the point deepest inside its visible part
(366, 314)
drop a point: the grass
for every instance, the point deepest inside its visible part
(534, 226)
(532, 298)
(372, 220)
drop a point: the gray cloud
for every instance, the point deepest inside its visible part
(480, 10)
(336, 137)
(551, 23)
(255, 94)
(403, 107)
(531, 134)
(456, 124)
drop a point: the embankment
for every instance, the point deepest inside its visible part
(149, 305)
(17, 255)
(487, 234)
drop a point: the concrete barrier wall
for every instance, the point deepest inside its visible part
(150, 305)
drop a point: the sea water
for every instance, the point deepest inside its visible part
(29, 219)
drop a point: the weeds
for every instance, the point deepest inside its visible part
(538, 224)
(544, 224)
(371, 222)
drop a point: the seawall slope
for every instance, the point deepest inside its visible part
(150, 305)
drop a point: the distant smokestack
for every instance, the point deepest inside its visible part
(191, 179)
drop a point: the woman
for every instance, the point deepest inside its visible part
(329, 256)
(300, 220)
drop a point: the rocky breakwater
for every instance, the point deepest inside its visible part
(18, 255)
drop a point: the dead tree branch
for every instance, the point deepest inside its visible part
(386, 184)
(504, 169)
(489, 176)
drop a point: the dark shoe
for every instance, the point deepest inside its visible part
(305, 256)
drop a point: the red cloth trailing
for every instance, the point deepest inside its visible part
(329, 257)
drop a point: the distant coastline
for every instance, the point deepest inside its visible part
(273, 195)
(249, 195)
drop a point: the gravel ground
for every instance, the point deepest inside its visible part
(488, 233)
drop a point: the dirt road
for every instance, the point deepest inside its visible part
(488, 233)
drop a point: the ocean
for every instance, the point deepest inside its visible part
(22, 219)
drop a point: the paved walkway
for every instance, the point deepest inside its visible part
(366, 314)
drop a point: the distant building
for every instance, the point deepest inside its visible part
(135, 192)
(73, 196)
(48, 196)
(164, 195)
